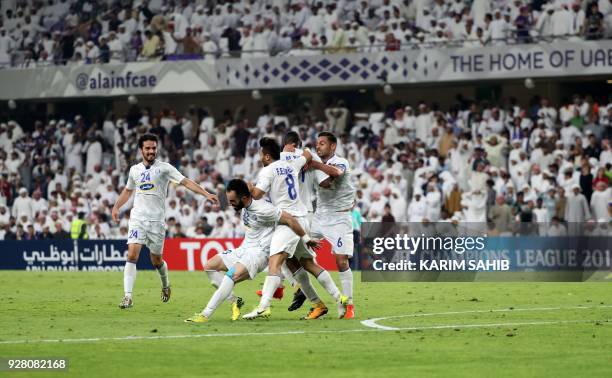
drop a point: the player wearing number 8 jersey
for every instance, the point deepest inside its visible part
(149, 180)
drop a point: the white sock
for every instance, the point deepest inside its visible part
(302, 277)
(288, 275)
(346, 279)
(129, 277)
(224, 290)
(326, 281)
(215, 277)
(270, 285)
(163, 275)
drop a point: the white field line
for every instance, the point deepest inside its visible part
(373, 327)
(373, 323)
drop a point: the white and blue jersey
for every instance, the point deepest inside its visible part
(151, 186)
(308, 179)
(280, 180)
(259, 219)
(340, 195)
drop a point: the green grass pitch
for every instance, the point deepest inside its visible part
(542, 329)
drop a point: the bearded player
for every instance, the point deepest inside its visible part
(147, 225)
(260, 218)
(332, 218)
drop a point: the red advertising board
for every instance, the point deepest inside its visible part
(192, 254)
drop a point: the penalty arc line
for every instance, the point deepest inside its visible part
(373, 323)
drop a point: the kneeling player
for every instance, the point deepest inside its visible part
(259, 218)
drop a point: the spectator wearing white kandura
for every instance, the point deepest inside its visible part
(5, 216)
(479, 9)
(172, 210)
(545, 25)
(577, 17)
(14, 161)
(433, 199)
(499, 29)
(93, 151)
(22, 206)
(209, 47)
(417, 210)
(474, 206)
(576, 208)
(600, 200)
(562, 22)
(39, 204)
(6, 47)
(221, 229)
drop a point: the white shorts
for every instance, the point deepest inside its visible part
(149, 233)
(285, 240)
(337, 229)
(251, 257)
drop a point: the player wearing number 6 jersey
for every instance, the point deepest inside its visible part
(279, 180)
(332, 219)
(147, 225)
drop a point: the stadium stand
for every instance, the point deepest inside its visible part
(35, 33)
(472, 162)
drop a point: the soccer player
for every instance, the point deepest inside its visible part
(279, 180)
(147, 226)
(307, 194)
(332, 219)
(260, 218)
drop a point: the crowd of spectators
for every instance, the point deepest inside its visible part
(545, 164)
(37, 33)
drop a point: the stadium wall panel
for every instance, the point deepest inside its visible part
(73, 255)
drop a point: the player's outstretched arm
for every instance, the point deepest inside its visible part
(288, 220)
(123, 198)
(196, 188)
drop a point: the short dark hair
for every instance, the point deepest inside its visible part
(331, 137)
(146, 137)
(239, 186)
(269, 146)
(291, 137)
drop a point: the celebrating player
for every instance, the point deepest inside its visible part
(259, 218)
(307, 183)
(279, 179)
(147, 219)
(332, 219)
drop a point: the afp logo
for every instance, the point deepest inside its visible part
(82, 80)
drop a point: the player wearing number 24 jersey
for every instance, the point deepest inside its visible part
(149, 180)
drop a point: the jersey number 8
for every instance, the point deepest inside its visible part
(291, 187)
